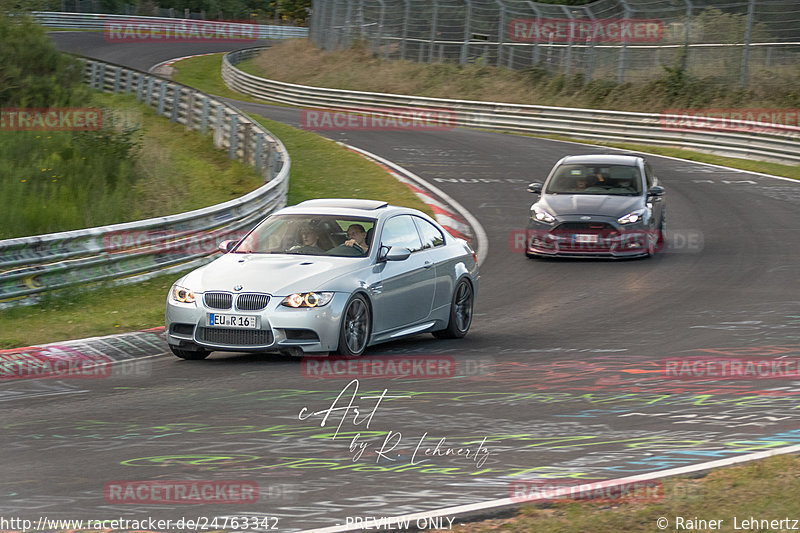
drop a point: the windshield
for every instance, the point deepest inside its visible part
(310, 235)
(619, 180)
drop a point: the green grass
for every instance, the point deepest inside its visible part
(143, 167)
(762, 489)
(203, 73)
(76, 314)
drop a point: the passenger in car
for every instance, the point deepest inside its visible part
(310, 242)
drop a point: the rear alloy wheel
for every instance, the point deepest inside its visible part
(460, 312)
(192, 355)
(355, 329)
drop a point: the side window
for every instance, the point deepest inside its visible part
(431, 236)
(648, 174)
(401, 231)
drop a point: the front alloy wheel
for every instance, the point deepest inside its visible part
(355, 328)
(460, 312)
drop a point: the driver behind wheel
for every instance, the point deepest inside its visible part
(357, 238)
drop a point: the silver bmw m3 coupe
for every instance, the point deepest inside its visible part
(329, 275)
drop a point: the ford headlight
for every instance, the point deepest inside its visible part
(632, 217)
(541, 215)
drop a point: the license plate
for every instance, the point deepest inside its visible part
(584, 238)
(233, 321)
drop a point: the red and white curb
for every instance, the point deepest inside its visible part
(170, 62)
(449, 213)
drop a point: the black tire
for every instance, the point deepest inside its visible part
(192, 355)
(460, 312)
(355, 328)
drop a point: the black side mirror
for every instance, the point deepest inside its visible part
(656, 190)
(535, 187)
(227, 246)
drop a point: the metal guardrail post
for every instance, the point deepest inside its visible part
(748, 35)
(204, 116)
(101, 78)
(568, 59)
(404, 33)
(434, 22)
(117, 76)
(536, 56)
(129, 82)
(162, 96)
(219, 128)
(148, 96)
(233, 139)
(501, 32)
(176, 102)
(259, 156)
(380, 28)
(623, 50)
(592, 57)
(467, 33)
(247, 142)
(140, 82)
(190, 111)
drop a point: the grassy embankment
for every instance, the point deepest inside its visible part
(358, 69)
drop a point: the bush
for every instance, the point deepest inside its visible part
(32, 72)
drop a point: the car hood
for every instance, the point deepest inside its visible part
(590, 204)
(276, 274)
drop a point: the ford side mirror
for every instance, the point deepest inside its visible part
(656, 190)
(535, 187)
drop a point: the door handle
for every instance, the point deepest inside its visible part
(427, 264)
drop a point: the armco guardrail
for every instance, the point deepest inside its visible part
(775, 144)
(100, 21)
(134, 251)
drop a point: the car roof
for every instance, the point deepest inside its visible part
(347, 203)
(604, 159)
(347, 207)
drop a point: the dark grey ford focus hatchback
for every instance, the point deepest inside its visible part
(597, 206)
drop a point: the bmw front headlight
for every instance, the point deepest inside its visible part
(541, 215)
(632, 217)
(181, 294)
(307, 299)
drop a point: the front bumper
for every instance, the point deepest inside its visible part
(598, 238)
(310, 330)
